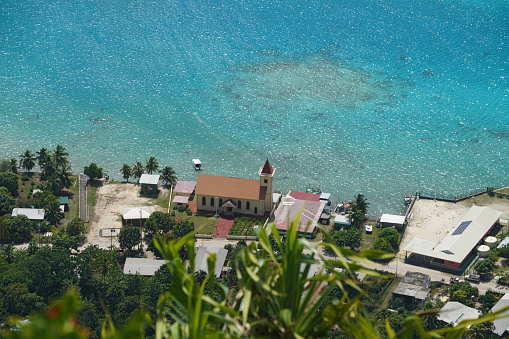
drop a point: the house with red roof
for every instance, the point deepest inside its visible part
(236, 195)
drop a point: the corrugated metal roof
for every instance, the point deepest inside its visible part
(63, 200)
(290, 208)
(149, 179)
(456, 247)
(185, 186)
(502, 322)
(392, 219)
(30, 213)
(142, 266)
(130, 212)
(180, 199)
(454, 312)
(204, 253)
(229, 187)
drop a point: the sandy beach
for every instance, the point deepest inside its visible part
(108, 210)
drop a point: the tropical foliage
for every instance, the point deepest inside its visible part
(168, 175)
(152, 165)
(93, 171)
(126, 171)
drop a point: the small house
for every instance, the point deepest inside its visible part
(148, 183)
(413, 290)
(454, 312)
(135, 216)
(390, 220)
(34, 214)
(341, 221)
(64, 203)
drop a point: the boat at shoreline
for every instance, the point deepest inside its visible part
(197, 164)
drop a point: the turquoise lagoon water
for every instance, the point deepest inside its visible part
(375, 97)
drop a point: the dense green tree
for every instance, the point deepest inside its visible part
(129, 237)
(504, 251)
(152, 165)
(19, 301)
(20, 228)
(27, 161)
(7, 202)
(391, 235)
(382, 244)
(5, 165)
(182, 228)
(481, 331)
(464, 293)
(9, 180)
(76, 227)
(159, 221)
(93, 171)
(59, 156)
(351, 238)
(484, 266)
(169, 176)
(126, 171)
(66, 242)
(13, 166)
(138, 170)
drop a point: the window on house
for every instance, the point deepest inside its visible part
(220, 202)
(256, 210)
(211, 201)
(239, 205)
(265, 181)
(248, 205)
(203, 201)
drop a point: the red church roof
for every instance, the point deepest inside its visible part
(267, 168)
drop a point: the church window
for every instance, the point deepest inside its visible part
(203, 201)
(239, 204)
(248, 205)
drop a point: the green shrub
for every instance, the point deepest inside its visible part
(209, 215)
(25, 177)
(189, 212)
(182, 209)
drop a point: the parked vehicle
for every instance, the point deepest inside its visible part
(473, 277)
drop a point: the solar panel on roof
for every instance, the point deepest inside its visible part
(461, 228)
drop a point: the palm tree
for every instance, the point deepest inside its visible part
(152, 165)
(356, 217)
(48, 168)
(168, 176)
(138, 170)
(361, 203)
(126, 171)
(14, 166)
(42, 157)
(64, 177)
(53, 213)
(60, 156)
(27, 161)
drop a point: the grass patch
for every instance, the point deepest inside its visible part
(369, 239)
(202, 224)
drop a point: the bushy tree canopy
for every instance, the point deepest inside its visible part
(129, 237)
(93, 171)
(9, 180)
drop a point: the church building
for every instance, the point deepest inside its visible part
(236, 195)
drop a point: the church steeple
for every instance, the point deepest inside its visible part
(267, 168)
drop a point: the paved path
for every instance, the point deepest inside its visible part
(224, 224)
(83, 197)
